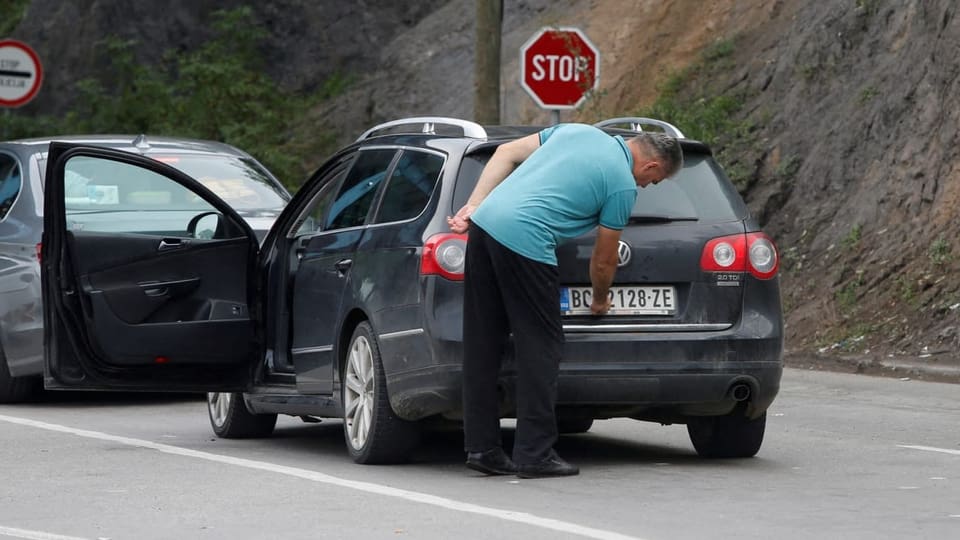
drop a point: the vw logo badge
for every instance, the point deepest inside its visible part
(623, 254)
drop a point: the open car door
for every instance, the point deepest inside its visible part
(147, 277)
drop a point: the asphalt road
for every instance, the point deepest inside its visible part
(845, 456)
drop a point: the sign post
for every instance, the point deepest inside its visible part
(559, 67)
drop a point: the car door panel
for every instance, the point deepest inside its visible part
(143, 286)
(129, 305)
(324, 272)
(152, 300)
(319, 285)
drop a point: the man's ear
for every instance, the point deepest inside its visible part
(651, 164)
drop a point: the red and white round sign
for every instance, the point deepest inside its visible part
(20, 73)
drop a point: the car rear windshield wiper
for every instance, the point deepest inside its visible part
(660, 219)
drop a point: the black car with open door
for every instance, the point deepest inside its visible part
(351, 306)
(148, 277)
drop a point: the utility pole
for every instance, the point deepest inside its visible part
(486, 106)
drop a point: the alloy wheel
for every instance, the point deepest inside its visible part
(359, 392)
(219, 405)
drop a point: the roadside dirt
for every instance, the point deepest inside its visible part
(853, 112)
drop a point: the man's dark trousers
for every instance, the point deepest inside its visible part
(507, 292)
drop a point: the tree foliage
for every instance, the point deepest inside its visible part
(12, 13)
(218, 91)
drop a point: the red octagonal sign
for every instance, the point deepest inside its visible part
(558, 67)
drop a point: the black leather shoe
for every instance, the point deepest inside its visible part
(553, 465)
(494, 462)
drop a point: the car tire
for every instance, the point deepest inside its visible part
(14, 389)
(730, 436)
(574, 425)
(372, 431)
(230, 418)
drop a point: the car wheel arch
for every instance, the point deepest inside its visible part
(347, 327)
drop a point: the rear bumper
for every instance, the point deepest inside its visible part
(652, 374)
(661, 378)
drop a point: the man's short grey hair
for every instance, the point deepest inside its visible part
(665, 149)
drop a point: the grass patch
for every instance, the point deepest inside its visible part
(939, 251)
(868, 7)
(867, 95)
(847, 296)
(718, 50)
(687, 101)
(853, 237)
(808, 71)
(906, 289)
(788, 167)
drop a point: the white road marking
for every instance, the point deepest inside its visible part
(34, 535)
(930, 449)
(368, 487)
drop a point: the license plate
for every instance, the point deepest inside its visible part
(647, 300)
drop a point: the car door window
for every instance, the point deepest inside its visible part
(111, 196)
(356, 196)
(410, 186)
(10, 182)
(312, 217)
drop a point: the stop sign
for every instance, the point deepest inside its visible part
(558, 67)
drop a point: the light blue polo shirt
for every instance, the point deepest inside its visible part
(579, 178)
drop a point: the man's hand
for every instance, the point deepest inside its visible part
(504, 160)
(600, 307)
(603, 265)
(461, 222)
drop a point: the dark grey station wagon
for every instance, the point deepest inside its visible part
(351, 307)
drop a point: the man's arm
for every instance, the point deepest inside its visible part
(506, 158)
(603, 266)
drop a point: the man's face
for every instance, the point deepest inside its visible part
(648, 172)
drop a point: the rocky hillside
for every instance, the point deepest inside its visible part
(845, 114)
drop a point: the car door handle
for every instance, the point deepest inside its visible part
(343, 265)
(174, 287)
(171, 243)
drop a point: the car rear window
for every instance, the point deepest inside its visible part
(240, 182)
(411, 186)
(700, 191)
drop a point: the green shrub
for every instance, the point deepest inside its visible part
(939, 251)
(706, 115)
(218, 91)
(11, 13)
(847, 296)
(853, 237)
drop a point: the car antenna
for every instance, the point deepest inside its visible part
(141, 143)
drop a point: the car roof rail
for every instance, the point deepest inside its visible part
(428, 125)
(637, 123)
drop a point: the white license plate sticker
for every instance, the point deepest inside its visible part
(647, 300)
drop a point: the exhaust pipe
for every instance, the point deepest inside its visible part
(740, 392)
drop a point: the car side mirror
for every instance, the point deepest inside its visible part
(206, 226)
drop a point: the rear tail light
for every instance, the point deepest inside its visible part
(764, 261)
(444, 255)
(39, 251)
(753, 252)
